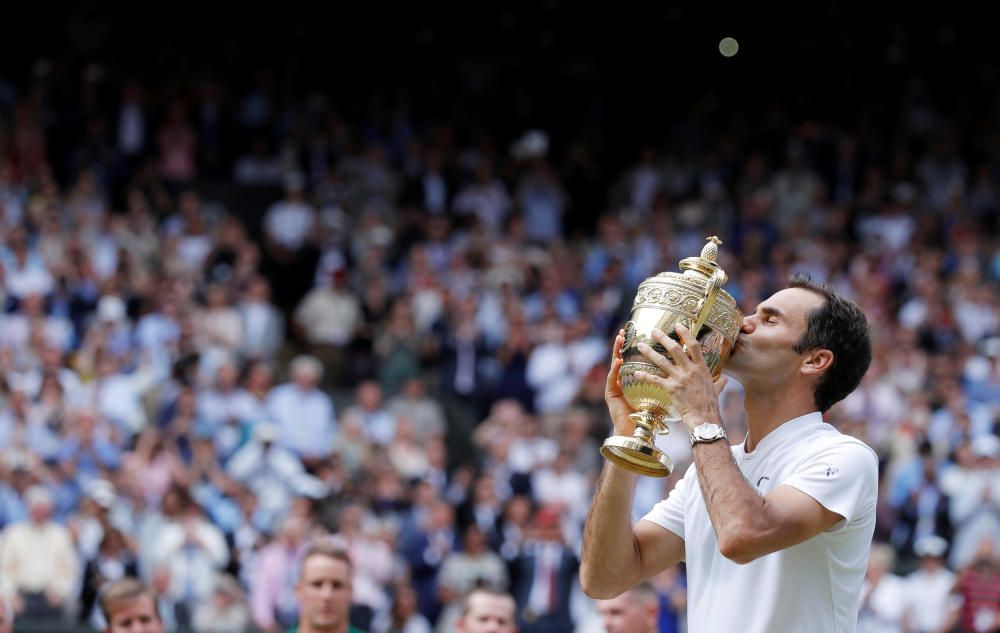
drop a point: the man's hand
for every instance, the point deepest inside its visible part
(688, 379)
(618, 407)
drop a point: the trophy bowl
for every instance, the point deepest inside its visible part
(696, 299)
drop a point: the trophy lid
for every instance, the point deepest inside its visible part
(705, 264)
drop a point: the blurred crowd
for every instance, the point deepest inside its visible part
(408, 345)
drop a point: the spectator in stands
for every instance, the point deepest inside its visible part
(635, 611)
(543, 575)
(114, 561)
(978, 592)
(289, 223)
(191, 548)
(973, 485)
(403, 616)
(41, 586)
(272, 473)
(928, 598)
(424, 411)
(426, 549)
(378, 423)
(272, 590)
(303, 414)
(327, 320)
(487, 611)
(461, 572)
(225, 611)
(372, 560)
(128, 606)
(263, 323)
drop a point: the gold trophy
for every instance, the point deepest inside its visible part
(696, 299)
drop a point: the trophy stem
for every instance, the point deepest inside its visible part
(638, 453)
(647, 425)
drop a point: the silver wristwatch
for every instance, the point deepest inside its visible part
(707, 432)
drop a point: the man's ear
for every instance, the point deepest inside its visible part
(817, 361)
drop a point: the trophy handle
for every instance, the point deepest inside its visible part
(705, 305)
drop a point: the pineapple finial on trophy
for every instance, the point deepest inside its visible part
(711, 250)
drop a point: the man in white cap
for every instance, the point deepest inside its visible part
(40, 585)
(289, 222)
(927, 598)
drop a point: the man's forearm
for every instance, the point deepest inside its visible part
(734, 507)
(609, 552)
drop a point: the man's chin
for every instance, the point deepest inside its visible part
(324, 621)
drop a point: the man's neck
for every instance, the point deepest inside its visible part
(768, 409)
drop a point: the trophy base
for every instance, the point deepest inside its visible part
(637, 456)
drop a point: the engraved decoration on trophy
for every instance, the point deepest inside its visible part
(696, 299)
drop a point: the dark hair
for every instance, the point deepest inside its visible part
(119, 592)
(840, 326)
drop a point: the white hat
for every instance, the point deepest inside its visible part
(986, 446)
(38, 495)
(930, 545)
(103, 493)
(110, 309)
(265, 432)
(533, 144)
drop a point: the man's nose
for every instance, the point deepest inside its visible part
(747, 326)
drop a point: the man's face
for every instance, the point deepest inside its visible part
(135, 616)
(306, 379)
(40, 512)
(488, 614)
(625, 614)
(324, 593)
(764, 352)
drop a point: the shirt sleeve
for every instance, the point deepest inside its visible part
(669, 513)
(842, 477)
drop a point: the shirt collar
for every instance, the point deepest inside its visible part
(795, 426)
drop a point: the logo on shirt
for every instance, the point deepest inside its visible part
(762, 479)
(831, 471)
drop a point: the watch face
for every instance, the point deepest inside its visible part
(707, 431)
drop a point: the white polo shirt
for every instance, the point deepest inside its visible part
(812, 587)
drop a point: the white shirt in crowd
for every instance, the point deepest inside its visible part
(273, 475)
(21, 567)
(329, 316)
(305, 420)
(192, 560)
(814, 586)
(882, 606)
(288, 223)
(928, 600)
(218, 407)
